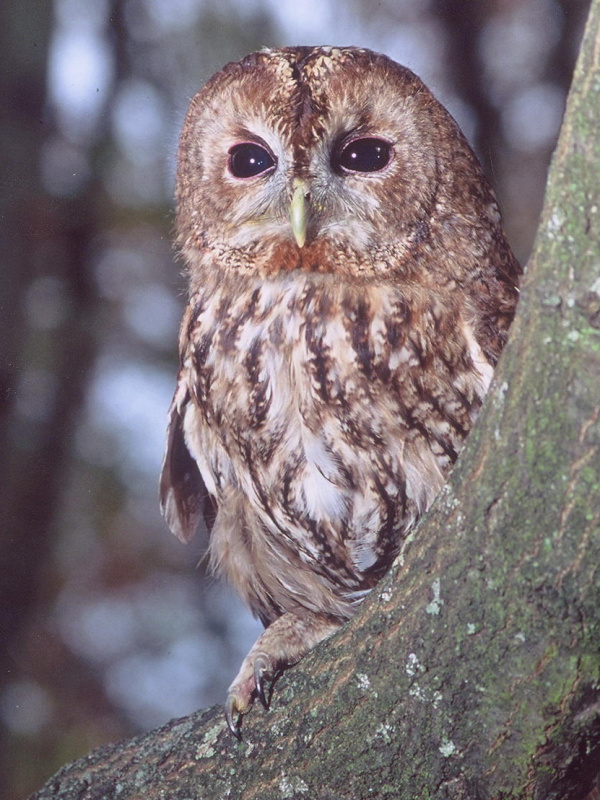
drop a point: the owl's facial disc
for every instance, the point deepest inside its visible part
(273, 192)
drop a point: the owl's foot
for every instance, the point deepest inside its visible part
(243, 690)
(281, 645)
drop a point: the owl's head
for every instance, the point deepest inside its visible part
(323, 159)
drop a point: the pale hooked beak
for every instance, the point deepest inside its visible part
(299, 211)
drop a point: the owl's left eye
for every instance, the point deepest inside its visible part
(364, 155)
(249, 159)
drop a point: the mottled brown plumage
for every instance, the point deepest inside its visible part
(350, 293)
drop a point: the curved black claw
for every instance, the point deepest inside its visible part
(233, 717)
(262, 673)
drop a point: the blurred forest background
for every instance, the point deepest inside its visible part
(108, 625)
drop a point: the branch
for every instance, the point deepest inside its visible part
(473, 670)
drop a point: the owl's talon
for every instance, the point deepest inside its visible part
(262, 673)
(233, 716)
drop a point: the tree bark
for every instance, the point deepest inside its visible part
(473, 670)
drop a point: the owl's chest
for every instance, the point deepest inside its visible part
(343, 406)
(288, 360)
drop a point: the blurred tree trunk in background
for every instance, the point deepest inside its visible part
(466, 25)
(463, 21)
(48, 306)
(474, 669)
(23, 61)
(24, 539)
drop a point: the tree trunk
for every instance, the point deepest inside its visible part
(473, 671)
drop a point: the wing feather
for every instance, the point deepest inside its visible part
(184, 500)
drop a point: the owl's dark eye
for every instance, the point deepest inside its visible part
(365, 155)
(249, 159)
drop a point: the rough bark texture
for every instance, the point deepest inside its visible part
(474, 669)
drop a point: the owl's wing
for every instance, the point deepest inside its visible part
(184, 500)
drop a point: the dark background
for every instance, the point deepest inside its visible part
(108, 625)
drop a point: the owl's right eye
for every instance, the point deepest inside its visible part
(249, 159)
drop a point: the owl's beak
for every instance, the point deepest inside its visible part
(299, 211)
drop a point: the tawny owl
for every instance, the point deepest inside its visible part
(350, 291)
